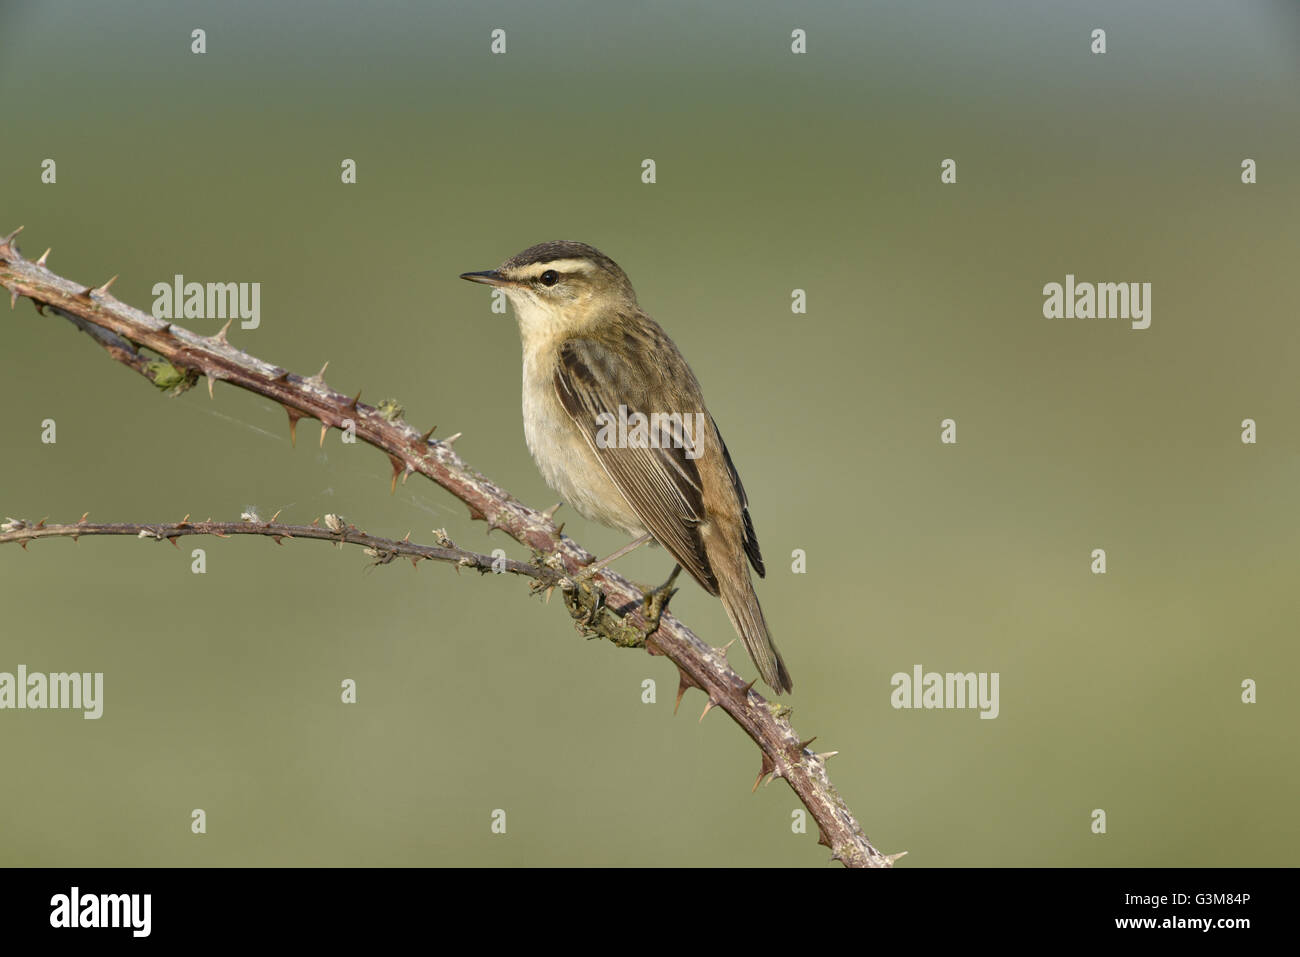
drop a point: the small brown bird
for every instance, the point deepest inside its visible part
(617, 424)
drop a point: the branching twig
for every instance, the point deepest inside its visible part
(382, 550)
(173, 358)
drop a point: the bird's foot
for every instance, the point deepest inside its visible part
(655, 602)
(588, 575)
(597, 604)
(586, 599)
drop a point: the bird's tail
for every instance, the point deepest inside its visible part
(746, 615)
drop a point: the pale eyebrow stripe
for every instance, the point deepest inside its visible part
(533, 270)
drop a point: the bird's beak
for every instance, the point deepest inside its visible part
(489, 277)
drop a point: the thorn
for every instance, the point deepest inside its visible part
(398, 465)
(323, 429)
(475, 515)
(294, 416)
(707, 708)
(45, 255)
(10, 238)
(406, 537)
(825, 756)
(319, 378)
(424, 439)
(184, 521)
(38, 306)
(13, 298)
(82, 520)
(209, 378)
(172, 539)
(727, 647)
(23, 543)
(353, 404)
(221, 336)
(275, 516)
(165, 328)
(406, 472)
(315, 522)
(749, 687)
(450, 440)
(41, 523)
(278, 539)
(103, 290)
(549, 514)
(803, 745)
(415, 562)
(683, 683)
(821, 838)
(764, 770)
(281, 376)
(893, 857)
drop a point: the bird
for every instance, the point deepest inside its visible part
(616, 422)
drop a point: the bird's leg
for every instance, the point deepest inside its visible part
(590, 570)
(584, 577)
(655, 602)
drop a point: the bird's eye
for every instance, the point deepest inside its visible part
(550, 277)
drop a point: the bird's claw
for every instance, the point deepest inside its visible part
(655, 602)
(597, 604)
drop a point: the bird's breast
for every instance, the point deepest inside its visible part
(562, 454)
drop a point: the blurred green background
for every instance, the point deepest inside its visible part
(775, 172)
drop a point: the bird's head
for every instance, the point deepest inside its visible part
(561, 288)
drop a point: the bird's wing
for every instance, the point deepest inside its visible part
(661, 484)
(751, 539)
